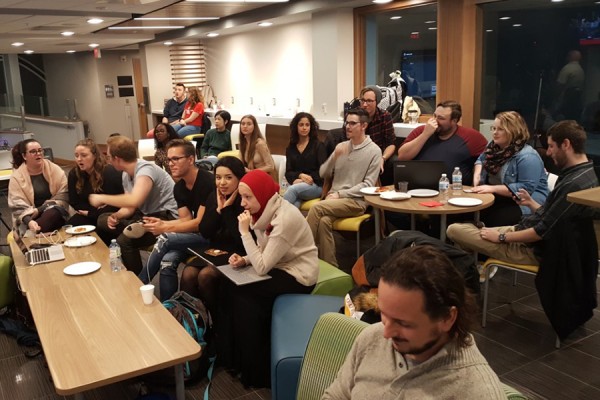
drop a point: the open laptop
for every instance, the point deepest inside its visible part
(239, 276)
(39, 256)
(419, 174)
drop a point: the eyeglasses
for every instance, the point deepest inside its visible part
(36, 151)
(173, 160)
(351, 124)
(367, 101)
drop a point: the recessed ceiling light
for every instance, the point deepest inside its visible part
(17, 44)
(557, 1)
(212, 34)
(93, 45)
(430, 22)
(238, 1)
(28, 51)
(265, 24)
(382, 1)
(396, 17)
(129, 28)
(517, 25)
(504, 18)
(95, 21)
(175, 18)
(70, 51)
(432, 28)
(168, 43)
(67, 33)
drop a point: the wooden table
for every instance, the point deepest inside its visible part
(95, 329)
(412, 207)
(587, 197)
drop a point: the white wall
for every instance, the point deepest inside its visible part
(158, 69)
(80, 76)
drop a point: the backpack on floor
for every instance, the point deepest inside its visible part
(192, 314)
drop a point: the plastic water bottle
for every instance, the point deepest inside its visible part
(457, 180)
(114, 251)
(443, 188)
(283, 185)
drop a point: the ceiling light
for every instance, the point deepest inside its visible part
(238, 1)
(265, 24)
(212, 34)
(556, 1)
(517, 25)
(67, 33)
(95, 21)
(93, 45)
(382, 1)
(28, 51)
(175, 18)
(504, 18)
(168, 43)
(489, 30)
(125, 28)
(432, 28)
(430, 22)
(70, 51)
(17, 44)
(395, 17)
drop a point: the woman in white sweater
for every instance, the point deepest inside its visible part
(285, 250)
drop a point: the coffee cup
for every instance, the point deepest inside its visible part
(147, 293)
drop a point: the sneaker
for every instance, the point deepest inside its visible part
(482, 273)
(135, 230)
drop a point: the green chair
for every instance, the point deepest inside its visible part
(332, 281)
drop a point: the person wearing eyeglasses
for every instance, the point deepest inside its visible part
(380, 130)
(353, 165)
(148, 192)
(37, 190)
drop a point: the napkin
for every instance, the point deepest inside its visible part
(431, 203)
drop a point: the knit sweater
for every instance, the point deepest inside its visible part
(374, 370)
(286, 244)
(356, 168)
(215, 142)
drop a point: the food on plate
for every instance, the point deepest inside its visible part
(79, 230)
(382, 189)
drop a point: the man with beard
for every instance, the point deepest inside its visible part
(517, 244)
(442, 139)
(422, 349)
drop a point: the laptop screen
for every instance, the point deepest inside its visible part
(419, 174)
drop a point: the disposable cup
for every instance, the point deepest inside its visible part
(402, 186)
(147, 293)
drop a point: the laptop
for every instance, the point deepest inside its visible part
(39, 256)
(240, 276)
(419, 174)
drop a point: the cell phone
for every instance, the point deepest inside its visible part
(515, 194)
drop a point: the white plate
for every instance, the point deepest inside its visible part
(395, 196)
(80, 241)
(372, 191)
(465, 201)
(81, 229)
(423, 193)
(82, 268)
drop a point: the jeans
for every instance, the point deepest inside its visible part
(302, 191)
(169, 250)
(183, 131)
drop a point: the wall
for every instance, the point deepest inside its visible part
(158, 69)
(80, 76)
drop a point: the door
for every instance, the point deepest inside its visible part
(139, 97)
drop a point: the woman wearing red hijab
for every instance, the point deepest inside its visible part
(284, 249)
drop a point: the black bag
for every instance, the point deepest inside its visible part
(206, 124)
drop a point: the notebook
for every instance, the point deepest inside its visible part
(39, 256)
(419, 174)
(239, 276)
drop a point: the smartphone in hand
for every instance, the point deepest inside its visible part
(514, 194)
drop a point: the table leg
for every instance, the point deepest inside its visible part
(179, 384)
(443, 227)
(377, 224)
(79, 396)
(413, 224)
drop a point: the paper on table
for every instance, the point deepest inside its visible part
(431, 203)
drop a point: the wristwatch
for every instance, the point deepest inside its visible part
(502, 238)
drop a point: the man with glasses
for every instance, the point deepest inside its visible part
(380, 130)
(148, 192)
(354, 165)
(442, 139)
(193, 187)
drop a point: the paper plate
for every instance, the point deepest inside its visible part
(81, 229)
(371, 191)
(82, 268)
(80, 241)
(395, 196)
(465, 201)
(423, 193)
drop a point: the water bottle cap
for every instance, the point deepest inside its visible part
(442, 175)
(113, 241)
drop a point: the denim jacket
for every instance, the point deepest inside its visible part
(524, 170)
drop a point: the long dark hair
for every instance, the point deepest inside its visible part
(314, 127)
(18, 151)
(96, 178)
(250, 144)
(170, 133)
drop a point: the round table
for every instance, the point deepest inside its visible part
(411, 206)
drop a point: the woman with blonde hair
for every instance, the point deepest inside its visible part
(191, 119)
(91, 175)
(253, 147)
(509, 161)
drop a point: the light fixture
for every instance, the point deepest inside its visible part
(489, 30)
(28, 51)
(95, 21)
(504, 18)
(238, 1)
(17, 44)
(212, 34)
(382, 1)
(129, 28)
(70, 51)
(556, 1)
(395, 17)
(432, 28)
(430, 22)
(93, 45)
(67, 33)
(414, 33)
(517, 25)
(265, 24)
(175, 18)
(168, 43)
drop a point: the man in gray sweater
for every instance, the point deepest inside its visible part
(423, 348)
(354, 165)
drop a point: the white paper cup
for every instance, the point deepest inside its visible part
(147, 293)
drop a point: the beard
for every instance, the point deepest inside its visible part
(415, 351)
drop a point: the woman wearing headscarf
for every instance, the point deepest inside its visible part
(284, 249)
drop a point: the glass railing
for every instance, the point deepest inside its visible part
(38, 105)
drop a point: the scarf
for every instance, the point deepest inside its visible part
(263, 188)
(496, 157)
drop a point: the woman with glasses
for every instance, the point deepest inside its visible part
(163, 134)
(91, 175)
(253, 147)
(37, 190)
(304, 155)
